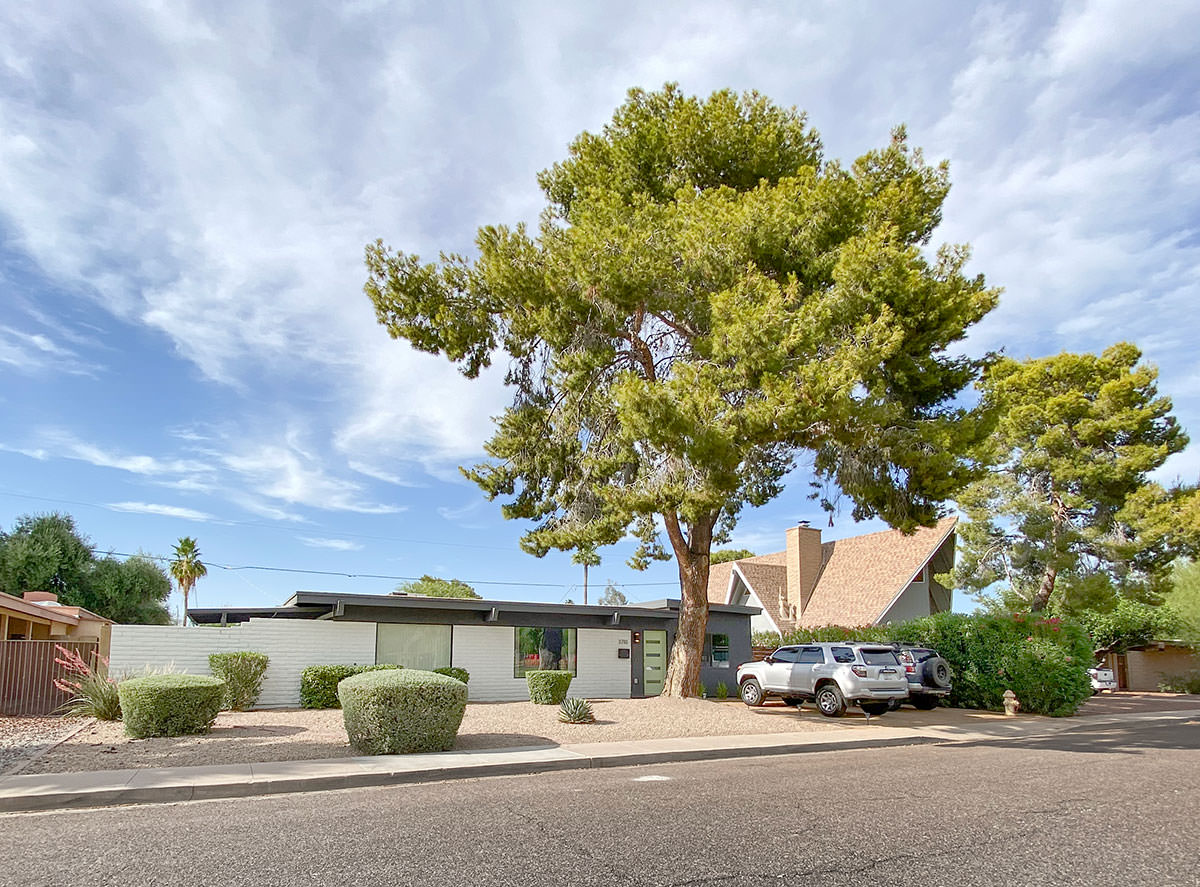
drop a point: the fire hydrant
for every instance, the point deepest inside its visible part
(1011, 704)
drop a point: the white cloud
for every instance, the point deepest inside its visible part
(334, 544)
(162, 510)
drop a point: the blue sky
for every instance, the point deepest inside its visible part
(187, 189)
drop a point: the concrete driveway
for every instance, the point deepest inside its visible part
(1123, 702)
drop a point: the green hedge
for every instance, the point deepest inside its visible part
(459, 674)
(1043, 660)
(548, 687)
(394, 712)
(243, 674)
(318, 683)
(170, 704)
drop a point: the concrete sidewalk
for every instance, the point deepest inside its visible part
(60, 791)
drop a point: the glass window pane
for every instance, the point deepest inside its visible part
(719, 647)
(413, 646)
(812, 655)
(544, 649)
(784, 654)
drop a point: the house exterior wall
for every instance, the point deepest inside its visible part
(913, 603)
(1144, 668)
(291, 644)
(487, 652)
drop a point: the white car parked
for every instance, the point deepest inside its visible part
(831, 675)
(1102, 679)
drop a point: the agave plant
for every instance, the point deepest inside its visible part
(576, 711)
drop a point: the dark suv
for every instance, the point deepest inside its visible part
(928, 675)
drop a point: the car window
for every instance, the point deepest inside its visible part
(842, 654)
(812, 655)
(784, 654)
(922, 655)
(880, 657)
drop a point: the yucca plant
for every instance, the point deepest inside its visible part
(576, 711)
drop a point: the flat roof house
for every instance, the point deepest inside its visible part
(861, 580)
(613, 652)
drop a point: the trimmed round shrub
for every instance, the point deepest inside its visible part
(318, 683)
(243, 674)
(548, 687)
(459, 674)
(170, 704)
(402, 710)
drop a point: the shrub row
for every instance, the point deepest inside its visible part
(548, 687)
(170, 704)
(1180, 683)
(319, 683)
(1043, 661)
(459, 674)
(394, 711)
(243, 674)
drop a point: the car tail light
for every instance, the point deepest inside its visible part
(860, 670)
(910, 669)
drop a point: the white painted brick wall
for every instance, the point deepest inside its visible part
(486, 651)
(291, 644)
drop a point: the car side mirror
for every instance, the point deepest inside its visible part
(769, 660)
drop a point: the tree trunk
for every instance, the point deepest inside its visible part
(1043, 593)
(183, 615)
(692, 554)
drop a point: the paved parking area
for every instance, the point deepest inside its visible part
(1127, 702)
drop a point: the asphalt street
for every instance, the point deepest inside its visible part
(1095, 806)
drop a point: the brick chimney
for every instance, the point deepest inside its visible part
(40, 597)
(803, 567)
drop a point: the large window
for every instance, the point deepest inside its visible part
(544, 649)
(716, 650)
(414, 646)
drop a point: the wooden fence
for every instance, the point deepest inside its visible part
(27, 673)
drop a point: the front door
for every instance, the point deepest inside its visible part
(654, 658)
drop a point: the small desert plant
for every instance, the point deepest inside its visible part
(722, 690)
(548, 687)
(576, 711)
(395, 711)
(94, 693)
(170, 704)
(243, 674)
(450, 671)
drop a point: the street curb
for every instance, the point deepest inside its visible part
(186, 790)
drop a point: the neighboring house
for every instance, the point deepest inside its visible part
(614, 652)
(38, 616)
(1142, 668)
(862, 580)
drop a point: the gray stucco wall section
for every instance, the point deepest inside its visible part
(737, 626)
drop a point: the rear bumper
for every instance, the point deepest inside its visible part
(922, 690)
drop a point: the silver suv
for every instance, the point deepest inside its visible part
(831, 675)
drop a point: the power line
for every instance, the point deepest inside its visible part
(267, 569)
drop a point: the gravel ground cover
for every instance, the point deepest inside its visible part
(21, 738)
(300, 734)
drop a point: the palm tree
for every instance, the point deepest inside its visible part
(187, 568)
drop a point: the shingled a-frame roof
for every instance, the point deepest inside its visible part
(861, 580)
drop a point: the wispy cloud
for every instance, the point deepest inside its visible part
(162, 510)
(334, 544)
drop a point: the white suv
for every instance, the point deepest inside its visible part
(831, 675)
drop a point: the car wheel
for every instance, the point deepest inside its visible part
(793, 700)
(875, 709)
(830, 701)
(925, 703)
(752, 692)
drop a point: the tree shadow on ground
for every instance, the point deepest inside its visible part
(472, 741)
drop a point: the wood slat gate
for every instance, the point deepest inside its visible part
(27, 673)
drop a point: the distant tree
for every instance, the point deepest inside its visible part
(431, 586)
(132, 591)
(1076, 436)
(1129, 624)
(186, 568)
(613, 597)
(725, 555)
(45, 552)
(1184, 599)
(705, 299)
